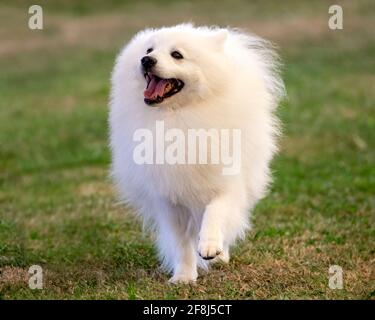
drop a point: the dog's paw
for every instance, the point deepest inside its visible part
(182, 279)
(223, 256)
(209, 248)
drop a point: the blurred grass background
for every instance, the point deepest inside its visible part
(57, 207)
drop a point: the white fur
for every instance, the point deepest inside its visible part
(231, 81)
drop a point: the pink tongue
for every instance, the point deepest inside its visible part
(155, 88)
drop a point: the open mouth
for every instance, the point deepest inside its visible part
(159, 89)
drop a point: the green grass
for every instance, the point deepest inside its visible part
(57, 207)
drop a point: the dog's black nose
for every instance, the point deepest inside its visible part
(148, 62)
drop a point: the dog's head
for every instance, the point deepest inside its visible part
(181, 64)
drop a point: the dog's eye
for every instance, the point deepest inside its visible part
(177, 55)
(149, 50)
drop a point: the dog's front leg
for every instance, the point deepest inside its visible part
(176, 244)
(223, 221)
(211, 238)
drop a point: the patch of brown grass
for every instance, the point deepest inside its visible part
(14, 277)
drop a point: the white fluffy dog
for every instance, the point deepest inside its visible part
(194, 78)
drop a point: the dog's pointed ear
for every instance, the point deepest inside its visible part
(220, 37)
